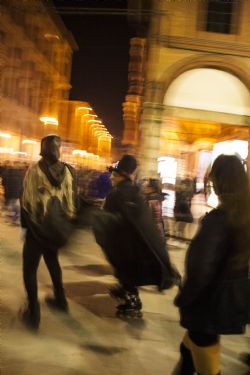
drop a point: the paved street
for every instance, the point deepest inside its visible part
(91, 340)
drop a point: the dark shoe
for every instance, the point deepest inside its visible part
(31, 317)
(60, 305)
(117, 292)
(132, 306)
(245, 358)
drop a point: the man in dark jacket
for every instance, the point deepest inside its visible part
(131, 241)
(47, 208)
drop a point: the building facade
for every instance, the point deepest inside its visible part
(186, 40)
(36, 54)
(35, 62)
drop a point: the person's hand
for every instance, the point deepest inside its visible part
(23, 234)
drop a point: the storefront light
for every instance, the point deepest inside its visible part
(231, 147)
(79, 152)
(6, 150)
(29, 141)
(167, 167)
(21, 153)
(5, 135)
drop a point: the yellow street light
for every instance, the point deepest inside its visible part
(49, 120)
(88, 108)
(97, 121)
(51, 36)
(100, 132)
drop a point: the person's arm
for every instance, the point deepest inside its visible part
(204, 258)
(24, 199)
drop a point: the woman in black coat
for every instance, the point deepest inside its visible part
(131, 240)
(214, 298)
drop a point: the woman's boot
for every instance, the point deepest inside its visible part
(186, 365)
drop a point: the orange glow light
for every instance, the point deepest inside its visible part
(29, 141)
(49, 120)
(88, 108)
(5, 135)
(79, 152)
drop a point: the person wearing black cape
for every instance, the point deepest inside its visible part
(131, 240)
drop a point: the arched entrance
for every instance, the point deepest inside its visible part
(202, 107)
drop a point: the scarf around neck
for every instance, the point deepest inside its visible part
(54, 172)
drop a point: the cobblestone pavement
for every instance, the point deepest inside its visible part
(91, 340)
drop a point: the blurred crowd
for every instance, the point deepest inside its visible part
(12, 176)
(94, 185)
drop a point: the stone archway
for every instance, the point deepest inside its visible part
(227, 64)
(216, 63)
(153, 107)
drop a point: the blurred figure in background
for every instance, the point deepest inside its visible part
(12, 181)
(83, 181)
(182, 208)
(48, 207)
(99, 187)
(103, 184)
(215, 295)
(131, 241)
(92, 186)
(154, 197)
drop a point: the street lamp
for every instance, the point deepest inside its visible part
(87, 108)
(89, 114)
(95, 121)
(49, 120)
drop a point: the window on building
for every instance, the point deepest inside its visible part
(219, 16)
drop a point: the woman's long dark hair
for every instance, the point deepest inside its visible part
(231, 184)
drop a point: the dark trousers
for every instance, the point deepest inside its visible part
(33, 250)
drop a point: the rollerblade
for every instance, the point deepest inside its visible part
(118, 292)
(131, 308)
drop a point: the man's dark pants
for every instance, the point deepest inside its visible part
(33, 250)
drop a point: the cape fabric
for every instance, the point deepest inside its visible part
(131, 241)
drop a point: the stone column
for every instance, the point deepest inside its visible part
(248, 156)
(150, 138)
(132, 104)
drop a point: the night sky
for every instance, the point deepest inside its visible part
(100, 67)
